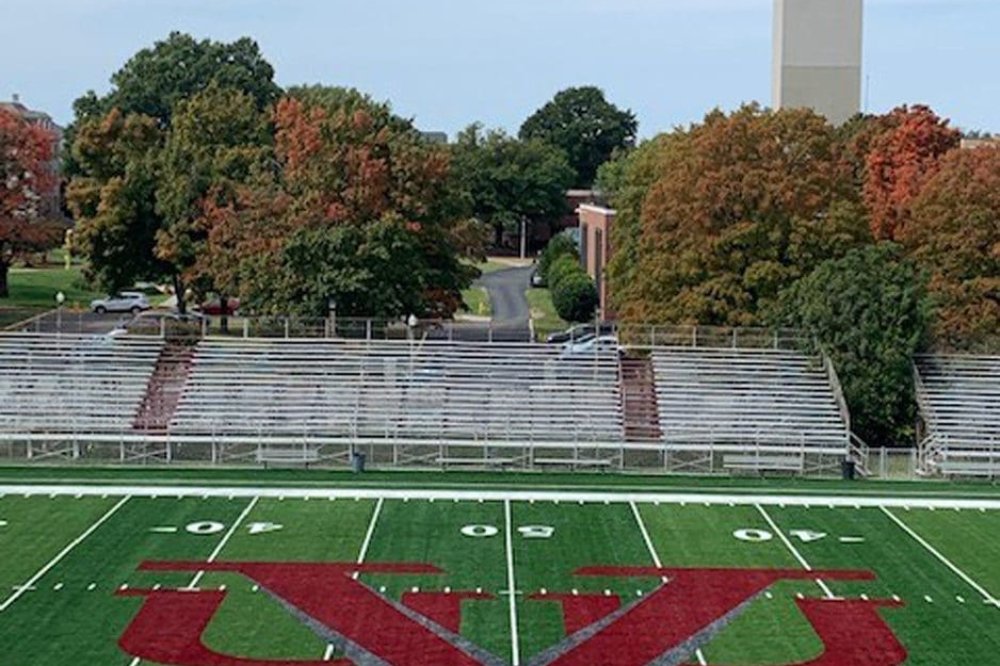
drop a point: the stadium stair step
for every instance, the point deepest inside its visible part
(166, 384)
(639, 405)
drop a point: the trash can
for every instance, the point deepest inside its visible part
(848, 469)
(358, 462)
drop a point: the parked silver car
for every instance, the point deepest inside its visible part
(124, 301)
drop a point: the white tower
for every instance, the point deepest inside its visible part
(817, 56)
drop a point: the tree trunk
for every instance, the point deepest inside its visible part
(4, 289)
(179, 292)
(224, 312)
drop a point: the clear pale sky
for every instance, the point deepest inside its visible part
(447, 63)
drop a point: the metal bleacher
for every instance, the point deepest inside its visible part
(434, 402)
(56, 389)
(421, 403)
(959, 399)
(750, 409)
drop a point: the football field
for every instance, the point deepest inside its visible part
(127, 575)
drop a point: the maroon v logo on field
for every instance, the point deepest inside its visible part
(664, 627)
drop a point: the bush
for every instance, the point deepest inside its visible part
(869, 311)
(562, 267)
(575, 296)
(560, 246)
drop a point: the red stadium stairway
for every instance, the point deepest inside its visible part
(638, 395)
(165, 387)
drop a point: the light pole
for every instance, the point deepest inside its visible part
(60, 299)
(332, 309)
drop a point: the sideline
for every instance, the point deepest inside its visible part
(480, 494)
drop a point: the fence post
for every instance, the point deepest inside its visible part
(286, 328)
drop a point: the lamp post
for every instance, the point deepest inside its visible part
(60, 299)
(332, 320)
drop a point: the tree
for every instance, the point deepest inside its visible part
(156, 79)
(120, 171)
(870, 312)
(354, 212)
(954, 233)
(25, 175)
(502, 181)
(583, 124)
(721, 217)
(901, 160)
(574, 296)
(218, 141)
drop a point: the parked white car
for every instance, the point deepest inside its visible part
(124, 301)
(592, 343)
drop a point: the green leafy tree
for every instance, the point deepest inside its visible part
(119, 167)
(870, 312)
(584, 125)
(218, 141)
(501, 180)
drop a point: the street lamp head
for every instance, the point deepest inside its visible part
(60, 298)
(412, 321)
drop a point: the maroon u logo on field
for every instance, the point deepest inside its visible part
(664, 627)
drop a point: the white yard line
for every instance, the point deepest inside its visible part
(371, 530)
(514, 495)
(63, 553)
(645, 536)
(511, 583)
(656, 560)
(795, 551)
(987, 597)
(225, 539)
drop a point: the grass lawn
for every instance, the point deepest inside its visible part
(504, 577)
(478, 301)
(37, 288)
(543, 313)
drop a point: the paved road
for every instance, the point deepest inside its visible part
(511, 313)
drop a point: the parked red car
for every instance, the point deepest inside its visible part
(214, 307)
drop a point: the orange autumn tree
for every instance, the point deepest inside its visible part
(25, 177)
(730, 212)
(954, 233)
(900, 161)
(353, 211)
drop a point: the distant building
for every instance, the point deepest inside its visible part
(595, 249)
(435, 138)
(988, 142)
(817, 56)
(51, 201)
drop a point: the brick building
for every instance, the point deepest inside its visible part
(51, 201)
(596, 249)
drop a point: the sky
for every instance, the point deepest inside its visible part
(447, 63)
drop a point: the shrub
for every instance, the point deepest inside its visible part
(575, 296)
(562, 267)
(560, 246)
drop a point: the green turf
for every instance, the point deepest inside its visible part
(287, 478)
(61, 621)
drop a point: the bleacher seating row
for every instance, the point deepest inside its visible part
(73, 384)
(740, 402)
(391, 390)
(733, 399)
(959, 398)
